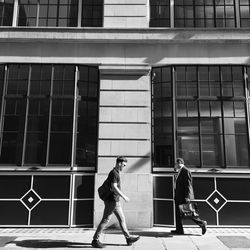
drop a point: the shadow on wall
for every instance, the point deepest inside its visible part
(178, 47)
(138, 164)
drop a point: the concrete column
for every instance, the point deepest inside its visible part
(125, 129)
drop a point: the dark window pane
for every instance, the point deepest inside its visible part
(60, 148)
(50, 213)
(64, 80)
(84, 187)
(86, 218)
(37, 132)
(18, 76)
(163, 187)
(87, 117)
(40, 80)
(159, 13)
(52, 187)
(92, 13)
(13, 132)
(6, 12)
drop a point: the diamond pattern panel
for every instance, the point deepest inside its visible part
(30, 199)
(216, 200)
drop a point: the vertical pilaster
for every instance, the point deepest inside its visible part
(125, 129)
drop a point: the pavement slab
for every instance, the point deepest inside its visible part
(151, 239)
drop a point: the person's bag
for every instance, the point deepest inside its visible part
(104, 191)
(189, 210)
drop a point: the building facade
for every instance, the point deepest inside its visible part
(84, 81)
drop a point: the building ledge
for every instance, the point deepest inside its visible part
(107, 35)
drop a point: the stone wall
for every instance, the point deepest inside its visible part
(125, 129)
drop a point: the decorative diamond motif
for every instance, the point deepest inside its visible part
(30, 199)
(216, 200)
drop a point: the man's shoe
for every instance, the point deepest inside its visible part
(204, 227)
(97, 244)
(132, 239)
(177, 232)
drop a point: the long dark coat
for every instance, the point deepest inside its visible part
(183, 186)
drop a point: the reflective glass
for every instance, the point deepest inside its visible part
(212, 150)
(205, 13)
(159, 13)
(237, 150)
(188, 149)
(211, 125)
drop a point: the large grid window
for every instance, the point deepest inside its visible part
(44, 114)
(51, 13)
(159, 13)
(6, 12)
(210, 116)
(205, 13)
(244, 13)
(59, 13)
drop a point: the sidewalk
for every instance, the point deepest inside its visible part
(154, 238)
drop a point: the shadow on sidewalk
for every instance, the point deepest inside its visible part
(49, 244)
(152, 234)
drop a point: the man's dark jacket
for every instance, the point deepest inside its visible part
(183, 186)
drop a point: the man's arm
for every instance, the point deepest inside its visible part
(188, 187)
(118, 191)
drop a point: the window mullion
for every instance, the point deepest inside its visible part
(26, 118)
(247, 105)
(15, 14)
(38, 13)
(50, 115)
(237, 12)
(174, 115)
(2, 106)
(79, 19)
(222, 121)
(172, 13)
(74, 131)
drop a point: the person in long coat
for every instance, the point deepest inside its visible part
(184, 193)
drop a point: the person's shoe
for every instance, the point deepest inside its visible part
(204, 227)
(132, 239)
(177, 232)
(97, 244)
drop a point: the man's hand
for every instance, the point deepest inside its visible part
(126, 198)
(187, 200)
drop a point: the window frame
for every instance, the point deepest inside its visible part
(220, 100)
(75, 97)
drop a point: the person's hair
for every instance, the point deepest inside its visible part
(121, 159)
(180, 160)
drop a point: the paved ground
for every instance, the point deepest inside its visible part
(151, 239)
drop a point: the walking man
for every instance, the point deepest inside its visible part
(112, 205)
(183, 194)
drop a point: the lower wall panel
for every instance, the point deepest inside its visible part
(222, 200)
(61, 200)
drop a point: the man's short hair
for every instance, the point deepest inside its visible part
(121, 159)
(180, 160)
